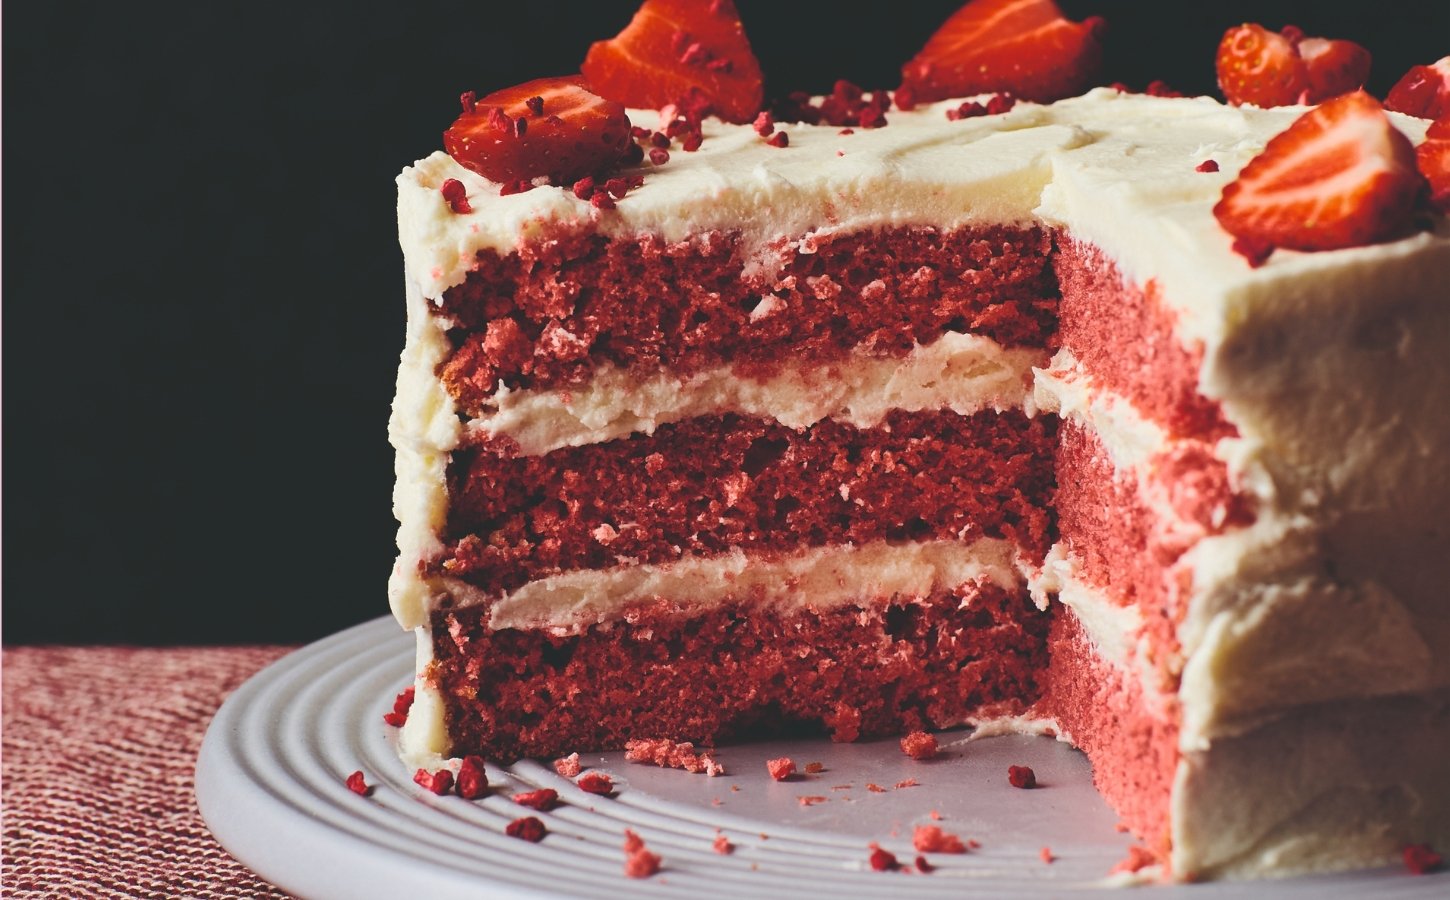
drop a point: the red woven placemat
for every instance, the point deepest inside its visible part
(99, 751)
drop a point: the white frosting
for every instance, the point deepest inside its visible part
(816, 577)
(1332, 786)
(960, 372)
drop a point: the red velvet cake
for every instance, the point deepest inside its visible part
(970, 419)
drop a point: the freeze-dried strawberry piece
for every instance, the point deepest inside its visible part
(358, 784)
(1021, 777)
(1433, 160)
(1046, 854)
(401, 705)
(1421, 859)
(439, 782)
(529, 828)
(680, 51)
(931, 839)
(780, 769)
(472, 781)
(919, 745)
(1026, 47)
(722, 845)
(596, 783)
(503, 140)
(1424, 91)
(543, 799)
(882, 860)
(1340, 176)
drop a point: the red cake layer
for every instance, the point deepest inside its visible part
(1125, 547)
(705, 485)
(1103, 710)
(734, 672)
(550, 312)
(1124, 336)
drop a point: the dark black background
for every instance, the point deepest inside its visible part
(203, 288)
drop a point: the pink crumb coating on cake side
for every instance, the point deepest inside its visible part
(1128, 529)
(1127, 341)
(1107, 714)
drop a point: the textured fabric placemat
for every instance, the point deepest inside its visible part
(99, 751)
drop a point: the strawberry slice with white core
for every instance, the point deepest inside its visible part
(1423, 92)
(1340, 176)
(1027, 48)
(688, 52)
(551, 127)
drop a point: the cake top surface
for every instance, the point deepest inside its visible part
(1119, 170)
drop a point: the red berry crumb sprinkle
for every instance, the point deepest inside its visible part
(846, 105)
(357, 784)
(404, 701)
(815, 768)
(780, 769)
(596, 783)
(919, 745)
(457, 196)
(543, 799)
(779, 139)
(1422, 860)
(764, 124)
(439, 782)
(722, 845)
(931, 839)
(1046, 854)
(1207, 165)
(638, 861)
(882, 860)
(923, 866)
(1021, 776)
(472, 779)
(528, 828)
(569, 766)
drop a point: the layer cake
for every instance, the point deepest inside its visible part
(958, 421)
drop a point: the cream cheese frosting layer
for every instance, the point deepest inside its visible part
(964, 373)
(1333, 786)
(816, 578)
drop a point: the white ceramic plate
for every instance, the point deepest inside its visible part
(269, 782)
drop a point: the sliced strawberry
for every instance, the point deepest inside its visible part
(1340, 176)
(1023, 47)
(1423, 92)
(675, 50)
(1433, 159)
(552, 127)
(1259, 66)
(1333, 67)
(1278, 68)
